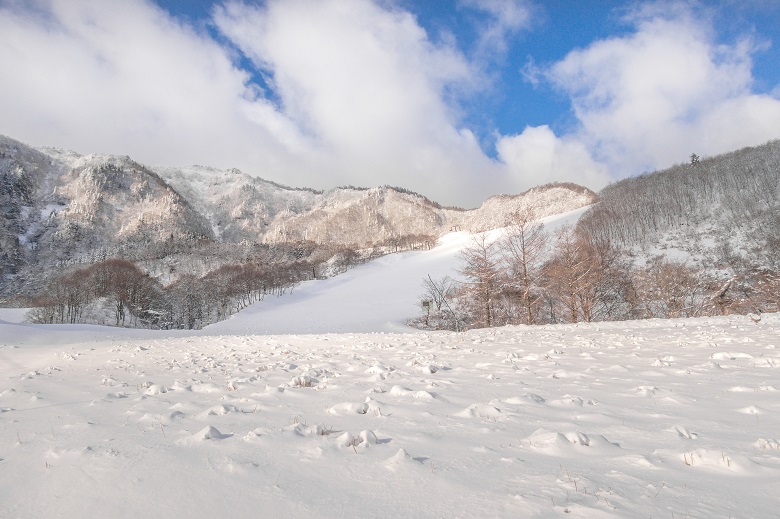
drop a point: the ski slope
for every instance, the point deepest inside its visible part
(379, 296)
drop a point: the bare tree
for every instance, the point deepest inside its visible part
(128, 288)
(438, 290)
(482, 286)
(576, 278)
(522, 250)
(670, 289)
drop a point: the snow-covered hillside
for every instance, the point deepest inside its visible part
(350, 216)
(721, 212)
(239, 207)
(61, 209)
(541, 202)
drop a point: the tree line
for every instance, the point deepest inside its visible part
(121, 292)
(529, 276)
(120, 289)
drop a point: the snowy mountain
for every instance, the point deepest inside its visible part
(540, 202)
(349, 216)
(241, 207)
(62, 208)
(237, 206)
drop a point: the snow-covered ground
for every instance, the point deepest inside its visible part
(639, 419)
(677, 418)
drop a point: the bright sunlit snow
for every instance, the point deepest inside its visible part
(657, 418)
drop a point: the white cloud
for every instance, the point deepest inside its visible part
(649, 99)
(538, 156)
(362, 95)
(367, 86)
(123, 77)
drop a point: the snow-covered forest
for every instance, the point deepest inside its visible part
(694, 240)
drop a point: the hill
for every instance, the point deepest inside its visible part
(718, 211)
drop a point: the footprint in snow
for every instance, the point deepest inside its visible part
(683, 432)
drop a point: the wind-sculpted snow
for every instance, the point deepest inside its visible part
(633, 419)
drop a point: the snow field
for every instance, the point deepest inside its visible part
(638, 419)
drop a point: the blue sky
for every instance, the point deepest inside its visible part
(455, 99)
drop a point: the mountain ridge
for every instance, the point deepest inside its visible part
(63, 208)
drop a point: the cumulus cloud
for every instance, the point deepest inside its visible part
(538, 155)
(356, 92)
(653, 97)
(123, 77)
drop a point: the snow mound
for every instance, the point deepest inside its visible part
(483, 411)
(349, 408)
(209, 433)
